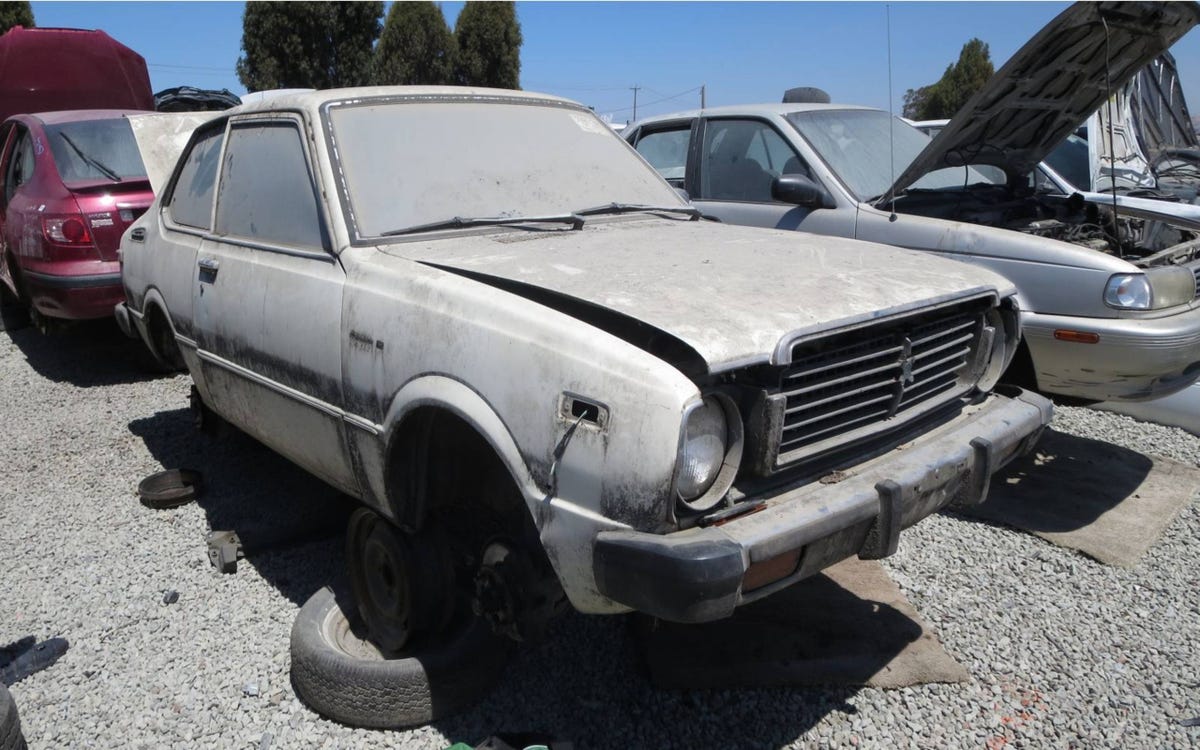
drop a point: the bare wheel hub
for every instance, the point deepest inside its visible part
(404, 583)
(515, 597)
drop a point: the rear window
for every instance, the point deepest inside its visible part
(95, 150)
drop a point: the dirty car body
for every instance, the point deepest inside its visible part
(1109, 307)
(664, 393)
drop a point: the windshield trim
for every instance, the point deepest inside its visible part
(356, 238)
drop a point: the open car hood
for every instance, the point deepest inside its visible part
(160, 139)
(1052, 84)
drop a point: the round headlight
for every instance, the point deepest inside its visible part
(703, 449)
(1128, 291)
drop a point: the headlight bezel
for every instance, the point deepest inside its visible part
(731, 461)
(1006, 327)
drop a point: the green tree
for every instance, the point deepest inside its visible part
(307, 44)
(15, 14)
(489, 45)
(416, 46)
(956, 86)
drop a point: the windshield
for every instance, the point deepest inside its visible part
(412, 163)
(1070, 160)
(855, 145)
(95, 150)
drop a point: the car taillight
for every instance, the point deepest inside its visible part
(66, 230)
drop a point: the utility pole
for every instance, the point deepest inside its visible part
(702, 91)
(635, 90)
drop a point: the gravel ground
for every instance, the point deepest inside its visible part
(1063, 651)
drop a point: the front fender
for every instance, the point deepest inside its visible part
(459, 399)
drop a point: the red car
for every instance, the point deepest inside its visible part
(72, 183)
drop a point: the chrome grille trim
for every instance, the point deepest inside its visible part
(849, 386)
(1196, 276)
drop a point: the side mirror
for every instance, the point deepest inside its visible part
(800, 191)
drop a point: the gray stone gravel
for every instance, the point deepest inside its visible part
(1063, 651)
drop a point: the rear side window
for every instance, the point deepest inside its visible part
(192, 199)
(266, 190)
(20, 165)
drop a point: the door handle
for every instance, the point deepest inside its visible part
(208, 270)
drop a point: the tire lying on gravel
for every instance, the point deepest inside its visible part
(342, 676)
(10, 724)
(171, 488)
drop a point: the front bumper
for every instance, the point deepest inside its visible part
(700, 574)
(1135, 358)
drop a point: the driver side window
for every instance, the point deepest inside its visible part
(741, 158)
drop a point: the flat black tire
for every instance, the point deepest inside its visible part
(171, 488)
(10, 724)
(343, 677)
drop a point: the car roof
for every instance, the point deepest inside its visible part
(80, 115)
(748, 109)
(313, 100)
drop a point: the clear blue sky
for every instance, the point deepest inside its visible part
(594, 52)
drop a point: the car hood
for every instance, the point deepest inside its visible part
(731, 294)
(1052, 84)
(160, 139)
(1158, 109)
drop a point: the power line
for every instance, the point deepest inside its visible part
(189, 67)
(656, 101)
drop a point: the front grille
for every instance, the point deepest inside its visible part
(874, 378)
(1196, 275)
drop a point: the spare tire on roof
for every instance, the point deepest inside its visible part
(806, 95)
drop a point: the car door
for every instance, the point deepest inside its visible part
(268, 298)
(167, 261)
(7, 149)
(738, 159)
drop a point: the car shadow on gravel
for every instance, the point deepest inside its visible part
(290, 523)
(1065, 484)
(85, 354)
(587, 684)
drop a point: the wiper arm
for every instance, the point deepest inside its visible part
(627, 208)
(458, 222)
(89, 159)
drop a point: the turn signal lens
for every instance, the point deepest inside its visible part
(1079, 337)
(66, 230)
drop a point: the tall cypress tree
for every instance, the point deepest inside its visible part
(489, 45)
(416, 46)
(307, 44)
(15, 14)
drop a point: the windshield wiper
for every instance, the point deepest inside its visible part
(459, 222)
(90, 160)
(626, 208)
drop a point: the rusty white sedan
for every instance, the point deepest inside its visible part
(546, 379)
